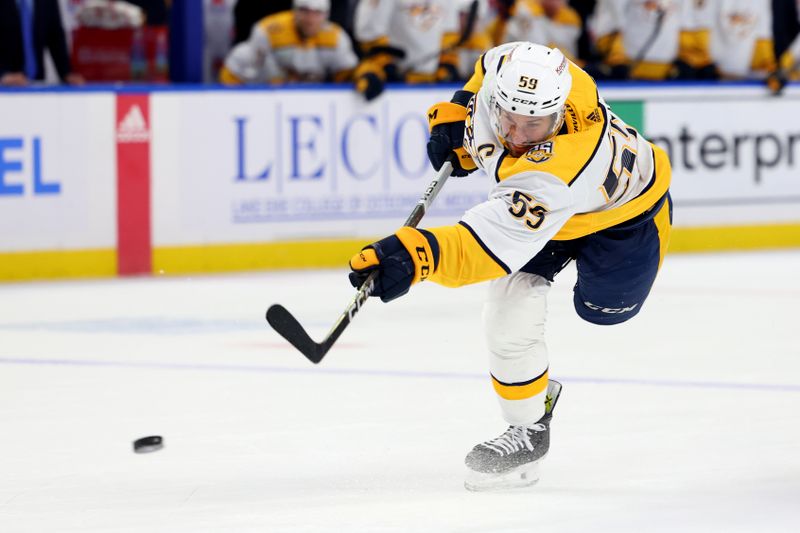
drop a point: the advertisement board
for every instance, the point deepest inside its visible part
(244, 167)
(735, 161)
(57, 171)
(205, 179)
(57, 185)
(238, 167)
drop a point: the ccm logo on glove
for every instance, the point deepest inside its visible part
(401, 260)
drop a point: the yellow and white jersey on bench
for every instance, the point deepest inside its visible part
(740, 36)
(642, 33)
(420, 28)
(275, 52)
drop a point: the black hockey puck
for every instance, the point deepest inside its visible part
(148, 444)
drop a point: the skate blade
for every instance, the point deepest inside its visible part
(517, 478)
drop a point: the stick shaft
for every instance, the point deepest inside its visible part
(413, 219)
(289, 328)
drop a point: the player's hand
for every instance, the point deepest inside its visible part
(402, 259)
(370, 85)
(447, 73)
(375, 70)
(776, 81)
(446, 122)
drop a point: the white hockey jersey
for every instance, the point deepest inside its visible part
(275, 52)
(526, 23)
(529, 22)
(417, 27)
(741, 36)
(648, 32)
(596, 173)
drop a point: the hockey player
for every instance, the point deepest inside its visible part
(643, 39)
(741, 37)
(296, 45)
(405, 40)
(552, 22)
(526, 22)
(571, 180)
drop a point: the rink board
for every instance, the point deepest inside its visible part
(99, 182)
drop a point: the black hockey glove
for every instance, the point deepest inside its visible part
(370, 85)
(407, 257)
(447, 73)
(376, 69)
(446, 123)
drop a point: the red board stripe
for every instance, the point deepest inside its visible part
(134, 248)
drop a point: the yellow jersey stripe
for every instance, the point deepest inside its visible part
(464, 258)
(473, 85)
(282, 31)
(596, 146)
(227, 77)
(582, 225)
(567, 16)
(486, 249)
(650, 70)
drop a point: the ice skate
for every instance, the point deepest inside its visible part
(512, 459)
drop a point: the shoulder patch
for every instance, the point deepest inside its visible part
(540, 153)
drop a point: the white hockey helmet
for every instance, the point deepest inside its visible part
(314, 5)
(533, 83)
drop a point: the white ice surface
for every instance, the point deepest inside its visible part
(687, 418)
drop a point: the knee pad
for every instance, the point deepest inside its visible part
(514, 314)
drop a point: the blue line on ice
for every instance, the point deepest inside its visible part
(772, 387)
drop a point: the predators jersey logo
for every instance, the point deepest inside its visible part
(540, 153)
(424, 16)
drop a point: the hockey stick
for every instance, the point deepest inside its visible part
(290, 329)
(648, 44)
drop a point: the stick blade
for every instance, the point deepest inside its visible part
(290, 329)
